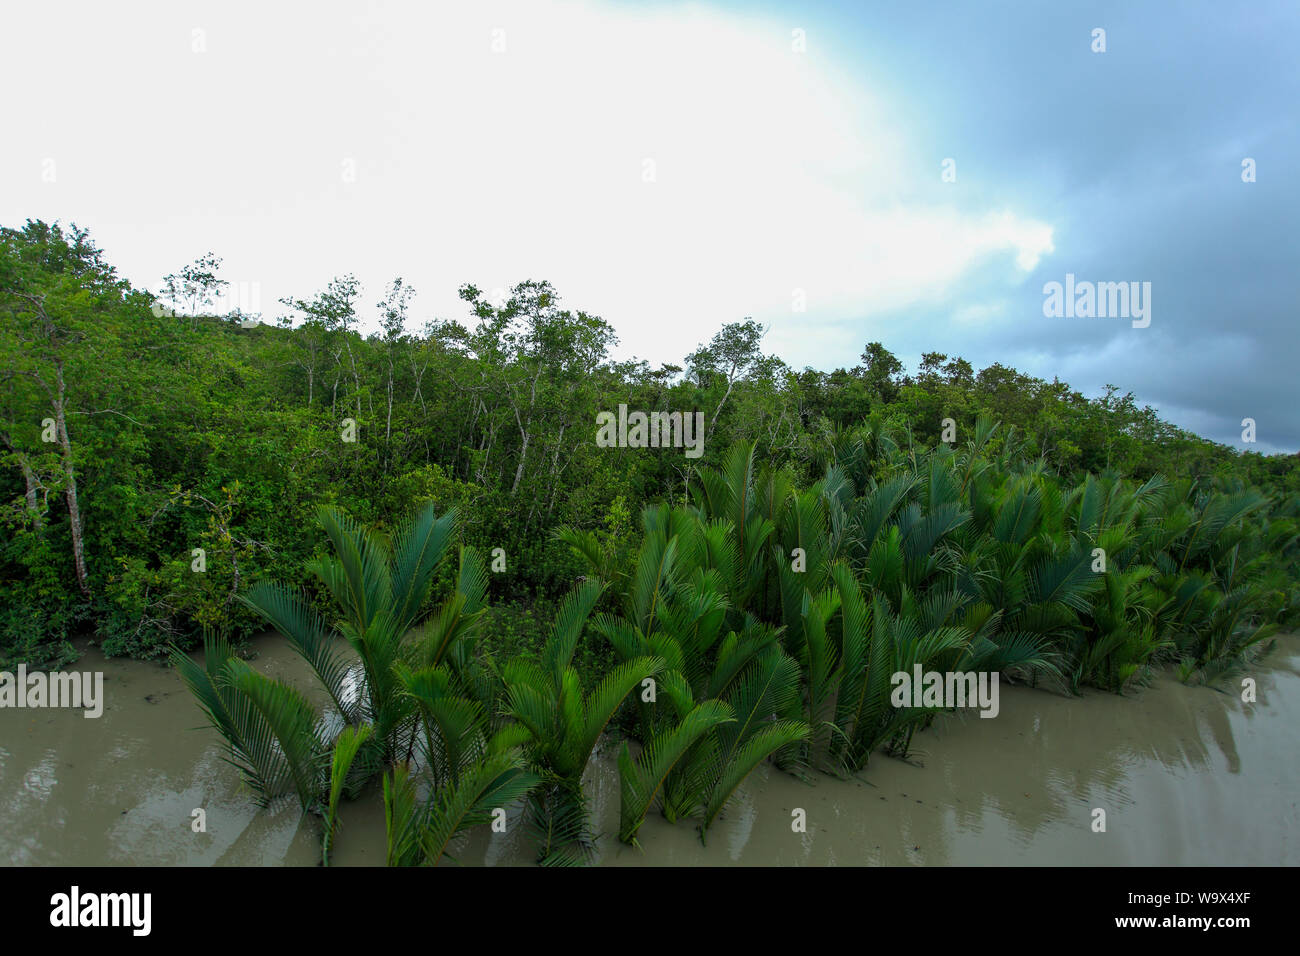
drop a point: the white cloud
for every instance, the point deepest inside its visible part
(773, 170)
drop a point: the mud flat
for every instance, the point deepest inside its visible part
(1186, 775)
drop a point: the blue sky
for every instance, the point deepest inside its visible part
(675, 166)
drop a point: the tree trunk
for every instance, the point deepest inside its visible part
(32, 484)
(388, 427)
(356, 379)
(525, 430)
(418, 373)
(718, 411)
(70, 493)
(555, 479)
(523, 454)
(30, 478)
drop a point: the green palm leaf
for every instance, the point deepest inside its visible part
(642, 779)
(494, 783)
(761, 744)
(346, 746)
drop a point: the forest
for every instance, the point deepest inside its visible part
(484, 588)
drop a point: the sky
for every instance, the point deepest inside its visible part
(913, 174)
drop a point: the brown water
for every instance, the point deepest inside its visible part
(1185, 775)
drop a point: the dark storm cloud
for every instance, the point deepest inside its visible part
(1133, 156)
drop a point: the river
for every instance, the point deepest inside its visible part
(1185, 775)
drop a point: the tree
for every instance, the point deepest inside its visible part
(392, 322)
(529, 342)
(48, 281)
(733, 353)
(333, 313)
(197, 285)
(882, 372)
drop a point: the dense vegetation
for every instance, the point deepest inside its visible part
(135, 430)
(760, 621)
(165, 466)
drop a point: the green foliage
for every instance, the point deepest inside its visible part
(416, 678)
(165, 476)
(189, 431)
(564, 723)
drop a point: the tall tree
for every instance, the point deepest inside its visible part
(732, 353)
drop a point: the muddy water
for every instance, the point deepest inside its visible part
(1185, 775)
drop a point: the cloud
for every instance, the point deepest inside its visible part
(673, 167)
